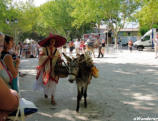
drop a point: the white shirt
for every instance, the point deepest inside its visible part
(77, 44)
(156, 41)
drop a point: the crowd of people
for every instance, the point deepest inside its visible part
(80, 47)
(27, 50)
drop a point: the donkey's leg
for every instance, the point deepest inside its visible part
(85, 97)
(78, 100)
(82, 92)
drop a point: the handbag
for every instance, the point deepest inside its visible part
(60, 69)
(6, 74)
(25, 108)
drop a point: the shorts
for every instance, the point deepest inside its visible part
(130, 48)
(71, 49)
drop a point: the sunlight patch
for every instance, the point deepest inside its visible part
(45, 114)
(69, 115)
(28, 71)
(139, 96)
(123, 72)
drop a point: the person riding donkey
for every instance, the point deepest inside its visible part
(46, 77)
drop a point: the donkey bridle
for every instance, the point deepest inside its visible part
(68, 69)
(73, 74)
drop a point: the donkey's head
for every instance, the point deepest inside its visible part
(73, 66)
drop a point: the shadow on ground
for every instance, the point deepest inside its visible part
(121, 93)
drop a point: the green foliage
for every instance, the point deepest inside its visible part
(6, 12)
(143, 29)
(114, 13)
(70, 18)
(148, 14)
(57, 17)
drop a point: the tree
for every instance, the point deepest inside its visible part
(148, 14)
(57, 18)
(23, 12)
(114, 13)
(120, 13)
(28, 19)
(6, 12)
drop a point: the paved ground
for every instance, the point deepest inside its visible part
(127, 89)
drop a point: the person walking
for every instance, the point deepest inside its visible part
(99, 47)
(77, 46)
(130, 44)
(48, 57)
(82, 46)
(71, 47)
(103, 47)
(19, 49)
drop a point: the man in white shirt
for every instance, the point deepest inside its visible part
(77, 46)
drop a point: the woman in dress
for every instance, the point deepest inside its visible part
(47, 61)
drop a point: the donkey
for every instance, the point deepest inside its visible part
(80, 70)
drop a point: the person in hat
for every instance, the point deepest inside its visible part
(47, 61)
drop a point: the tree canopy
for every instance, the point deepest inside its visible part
(147, 15)
(70, 18)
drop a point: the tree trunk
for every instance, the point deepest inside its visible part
(116, 40)
(98, 27)
(107, 38)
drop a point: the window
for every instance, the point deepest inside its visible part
(146, 38)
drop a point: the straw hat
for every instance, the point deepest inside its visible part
(59, 40)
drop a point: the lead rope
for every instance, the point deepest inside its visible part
(66, 66)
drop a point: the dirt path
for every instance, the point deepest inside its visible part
(126, 89)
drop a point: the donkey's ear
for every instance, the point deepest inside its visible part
(67, 58)
(81, 58)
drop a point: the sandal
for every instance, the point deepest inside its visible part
(53, 101)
